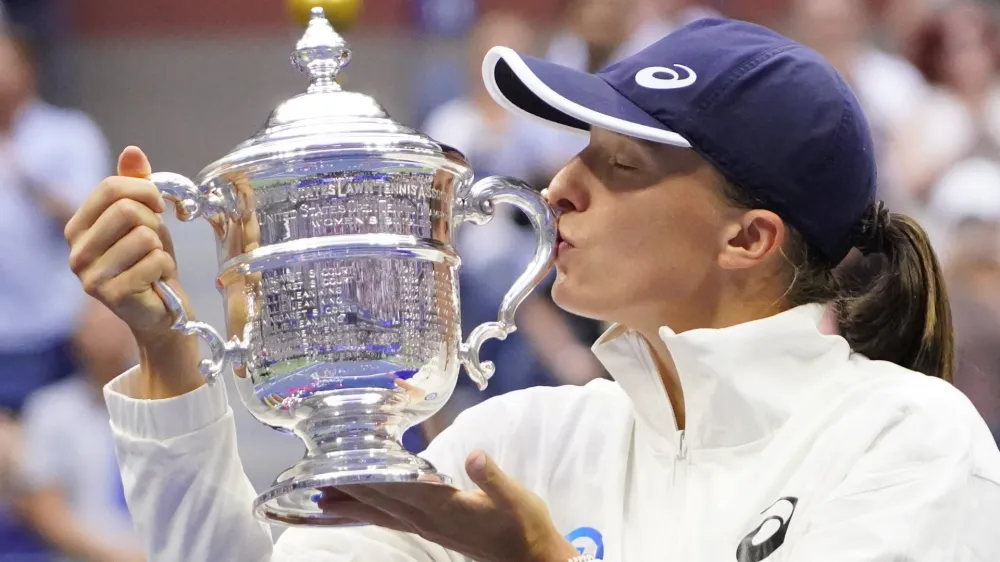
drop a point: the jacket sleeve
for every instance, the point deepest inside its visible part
(926, 490)
(191, 500)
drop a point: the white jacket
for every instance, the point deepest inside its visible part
(795, 450)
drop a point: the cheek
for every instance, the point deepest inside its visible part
(668, 255)
(646, 257)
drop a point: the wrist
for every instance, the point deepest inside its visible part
(168, 366)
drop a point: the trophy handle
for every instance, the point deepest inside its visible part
(476, 205)
(191, 203)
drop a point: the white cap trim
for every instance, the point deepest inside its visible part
(560, 103)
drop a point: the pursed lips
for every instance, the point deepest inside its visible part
(563, 243)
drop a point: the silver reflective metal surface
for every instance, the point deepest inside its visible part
(334, 227)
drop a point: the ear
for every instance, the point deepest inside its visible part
(751, 238)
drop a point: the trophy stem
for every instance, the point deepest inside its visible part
(342, 430)
(353, 440)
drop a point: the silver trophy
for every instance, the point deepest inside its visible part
(335, 231)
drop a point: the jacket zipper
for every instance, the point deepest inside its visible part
(678, 495)
(676, 530)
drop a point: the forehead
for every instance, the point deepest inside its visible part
(664, 156)
(679, 176)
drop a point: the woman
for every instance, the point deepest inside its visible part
(760, 412)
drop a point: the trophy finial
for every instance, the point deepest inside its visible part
(321, 52)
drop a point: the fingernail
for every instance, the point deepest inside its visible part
(478, 463)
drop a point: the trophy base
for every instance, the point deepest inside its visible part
(294, 499)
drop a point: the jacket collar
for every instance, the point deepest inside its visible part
(740, 383)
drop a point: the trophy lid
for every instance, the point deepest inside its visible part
(326, 117)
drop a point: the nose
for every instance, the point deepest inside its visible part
(567, 191)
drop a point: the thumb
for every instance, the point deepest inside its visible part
(485, 473)
(133, 163)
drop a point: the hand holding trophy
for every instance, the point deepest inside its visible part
(334, 229)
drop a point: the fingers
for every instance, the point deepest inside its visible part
(484, 472)
(109, 192)
(333, 495)
(337, 503)
(133, 163)
(425, 495)
(125, 253)
(131, 183)
(135, 281)
(404, 502)
(123, 217)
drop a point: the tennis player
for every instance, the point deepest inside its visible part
(762, 410)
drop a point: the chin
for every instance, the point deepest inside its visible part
(579, 301)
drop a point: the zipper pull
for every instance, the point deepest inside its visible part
(682, 448)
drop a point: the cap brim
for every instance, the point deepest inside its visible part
(567, 98)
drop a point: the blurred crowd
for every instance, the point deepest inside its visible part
(927, 71)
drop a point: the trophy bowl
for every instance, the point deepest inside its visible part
(334, 229)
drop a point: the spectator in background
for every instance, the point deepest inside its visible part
(898, 20)
(977, 366)
(888, 86)
(475, 124)
(595, 33)
(958, 50)
(658, 18)
(70, 488)
(17, 543)
(544, 350)
(966, 201)
(45, 21)
(50, 159)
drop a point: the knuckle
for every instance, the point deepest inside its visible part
(123, 211)
(109, 296)
(165, 260)
(149, 189)
(76, 260)
(91, 284)
(163, 255)
(111, 187)
(147, 238)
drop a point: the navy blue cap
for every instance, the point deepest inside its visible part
(770, 114)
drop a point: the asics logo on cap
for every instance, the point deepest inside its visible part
(653, 78)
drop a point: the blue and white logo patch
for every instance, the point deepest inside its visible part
(587, 540)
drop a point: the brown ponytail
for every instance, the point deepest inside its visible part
(902, 315)
(898, 313)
